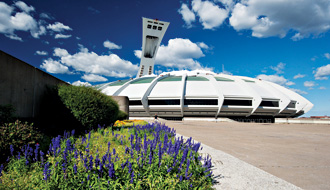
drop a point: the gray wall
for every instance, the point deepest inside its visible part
(23, 85)
(123, 103)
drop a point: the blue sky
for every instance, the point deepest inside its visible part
(92, 42)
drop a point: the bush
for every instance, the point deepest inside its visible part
(122, 115)
(89, 106)
(7, 113)
(17, 134)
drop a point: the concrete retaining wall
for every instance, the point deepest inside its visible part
(23, 85)
(123, 103)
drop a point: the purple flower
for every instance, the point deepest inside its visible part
(11, 150)
(46, 171)
(75, 169)
(132, 177)
(1, 168)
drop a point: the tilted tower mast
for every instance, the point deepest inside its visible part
(153, 33)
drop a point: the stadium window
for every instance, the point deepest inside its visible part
(292, 105)
(200, 102)
(164, 102)
(237, 102)
(269, 103)
(135, 102)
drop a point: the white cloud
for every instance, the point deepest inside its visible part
(79, 83)
(41, 52)
(58, 52)
(55, 67)
(24, 7)
(62, 36)
(327, 55)
(309, 84)
(92, 63)
(298, 91)
(322, 73)
(322, 88)
(14, 37)
(12, 21)
(299, 76)
(279, 68)
(111, 45)
(203, 45)
(210, 15)
(179, 53)
(187, 15)
(58, 27)
(290, 83)
(273, 78)
(277, 18)
(94, 78)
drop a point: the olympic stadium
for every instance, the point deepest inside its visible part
(200, 93)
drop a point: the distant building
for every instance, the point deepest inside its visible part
(320, 117)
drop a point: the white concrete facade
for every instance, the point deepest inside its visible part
(207, 94)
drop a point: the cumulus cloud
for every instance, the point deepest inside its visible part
(24, 7)
(179, 53)
(41, 52)
(55, 67)
(203, 45)
(322, 88)
(309, 84)
(290, 83)
(210, 15)
(279, 68)
(263, 18)
(79, 83)
(327, 55)
(298, 91)
(299, 76)
(20, 17)
(58, 27)
(187, 15)
(62, 36)
(91, 63)
(111, 45)
(273, 78)
(277, 18)
(94, 78)
(322, 73)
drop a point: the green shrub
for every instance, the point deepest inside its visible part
(7, 113)
(122, 115)
(89, 106)
(17, 134)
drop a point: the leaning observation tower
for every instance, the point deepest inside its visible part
(200, 93)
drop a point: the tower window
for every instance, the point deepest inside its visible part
(149, 26)
(154, 27)
(150, 46)
(159, 28)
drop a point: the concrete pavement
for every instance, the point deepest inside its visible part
(297, 153)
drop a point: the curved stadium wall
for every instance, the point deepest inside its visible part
(206, 94)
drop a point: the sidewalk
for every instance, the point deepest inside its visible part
(232, 173)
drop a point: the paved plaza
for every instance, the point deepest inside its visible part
(297, 153)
